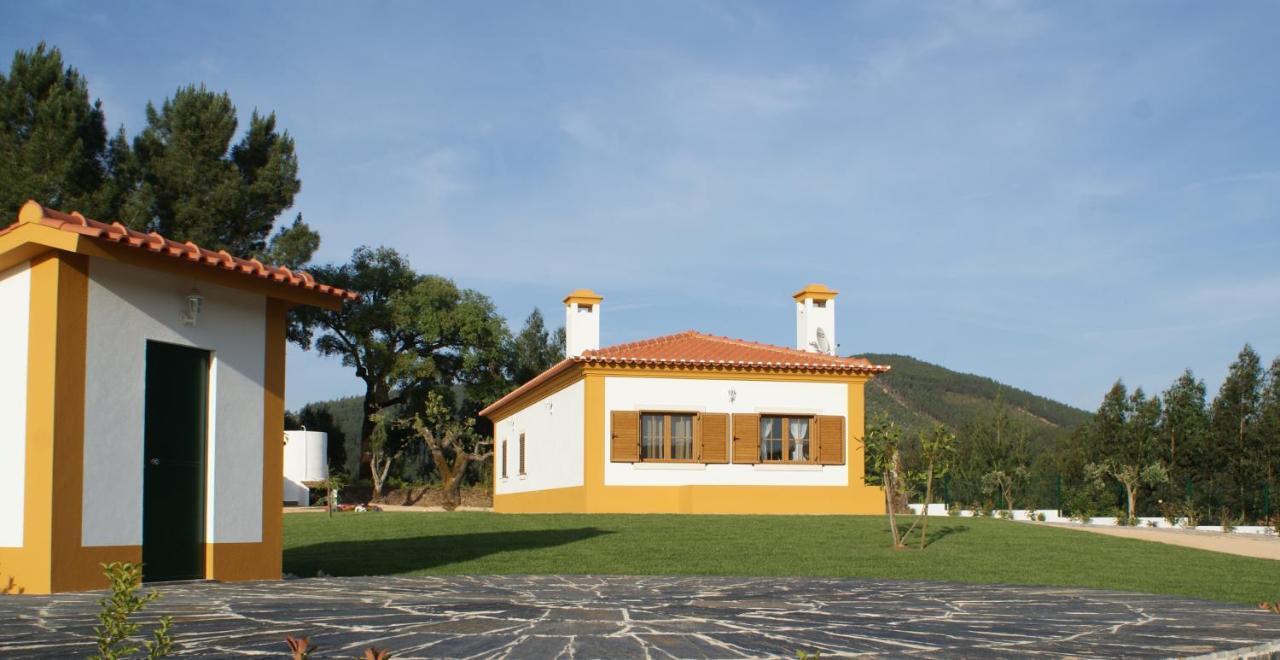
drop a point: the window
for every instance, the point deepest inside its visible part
(504, 458)
(666, 437)
(522, 454)
(785, 439)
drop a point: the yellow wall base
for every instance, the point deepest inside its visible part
(236, 562)
(697, 499)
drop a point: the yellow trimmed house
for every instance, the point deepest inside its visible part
(141, 404)
(688, 423)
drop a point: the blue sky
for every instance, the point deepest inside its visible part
(1051, 194)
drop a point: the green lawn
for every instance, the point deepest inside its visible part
(963, 549)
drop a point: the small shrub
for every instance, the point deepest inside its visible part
(1004, 514)
(300, 648)
(1152, 523)
(954, 510)
(979, 511)
(804, 655)
(1122, 518)
(375, 653)
(1041, 517)
(1270, 606)
(1190, 516)
(1228, 523)
(114, 628)
(1275, 526)
(1171, 512)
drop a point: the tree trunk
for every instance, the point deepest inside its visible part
(1132, 491)
(370, 407)
(890, 489)
(378, 468)
(928, 497)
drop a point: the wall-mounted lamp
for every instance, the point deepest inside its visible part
(733, 395)
(194, 302)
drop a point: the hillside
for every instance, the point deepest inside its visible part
(916, 394)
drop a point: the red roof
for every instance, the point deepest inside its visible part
(696, 349)
(34, 213)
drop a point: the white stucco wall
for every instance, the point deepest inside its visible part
(15, 306)
(553, 444)
(692, 395)
(127, 307)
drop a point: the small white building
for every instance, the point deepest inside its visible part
(141, 404)
(688, 423)
(306, 461)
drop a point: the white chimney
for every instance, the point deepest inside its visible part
(816, 319)
(581, 322)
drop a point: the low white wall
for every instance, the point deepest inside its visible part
(15, 306)
(697, 395)
(552, 429)
(127, 307)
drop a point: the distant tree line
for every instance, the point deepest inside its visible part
(1177, 454)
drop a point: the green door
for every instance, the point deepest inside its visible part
(176, 420)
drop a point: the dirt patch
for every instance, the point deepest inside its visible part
(1263, 547)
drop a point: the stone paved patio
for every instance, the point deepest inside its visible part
(656, 617)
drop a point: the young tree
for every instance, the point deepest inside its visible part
(882, 444)
(1234, 421)
(409, 334)
(1000, 482)
(1128, 432)
(454, 445)
(937, 448)
(53, 140)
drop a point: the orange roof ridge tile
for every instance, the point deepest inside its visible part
(115, 232)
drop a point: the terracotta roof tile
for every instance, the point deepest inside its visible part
(74, 222)
(700, 350)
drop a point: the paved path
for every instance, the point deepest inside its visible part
(1247, 545)
(654, 617)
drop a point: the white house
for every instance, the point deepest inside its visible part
(688, 423)
(141, 404)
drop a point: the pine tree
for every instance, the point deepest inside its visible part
(191, 184)
(1184, 429)
(1236, 432)
(534, 350)
(1270, 433)
(53, 140)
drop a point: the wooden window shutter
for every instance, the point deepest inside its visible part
(504, 459)
(714, 438)
(746, 438)
(831, 440)
(624, 444)
(521, 453)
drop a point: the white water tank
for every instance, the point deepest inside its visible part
(306, 458)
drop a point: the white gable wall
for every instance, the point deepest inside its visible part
(698, 395)
(127, 307)
(553, 444)
(15, 306)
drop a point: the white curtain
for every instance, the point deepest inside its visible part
(682, 436)
(800, 439)
(770, 438)
(651, 436)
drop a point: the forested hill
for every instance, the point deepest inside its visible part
(916, 394)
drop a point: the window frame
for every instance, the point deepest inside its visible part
(666, 436)
(786, 438)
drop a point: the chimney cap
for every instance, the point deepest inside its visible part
(583, 297)
(815, 292)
